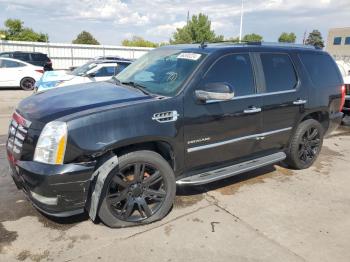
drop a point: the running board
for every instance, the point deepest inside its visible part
(229, 171)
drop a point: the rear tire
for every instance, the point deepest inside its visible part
(305, 145)
(143, 190)
(27, 83)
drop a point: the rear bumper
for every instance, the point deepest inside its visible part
(335, 120)
(346, 108)
(56, 190)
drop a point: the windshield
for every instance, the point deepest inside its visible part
(81, 70)
(161, 71)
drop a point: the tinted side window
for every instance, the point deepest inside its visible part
(105, 71)
(39, 57)
(10, 64)
(236, 70)
(321, 69)
(279, 72)
(120, 67)
(5, 55)
(21, 56)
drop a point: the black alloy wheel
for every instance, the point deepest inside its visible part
(140, 191)
(305, 144)
(136, 192)
(309, 145)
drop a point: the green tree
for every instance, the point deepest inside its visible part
(14, 30)
(197, 30)
(138, 41)
(287, 38)
(315, 39)
(85, 38)
(252, 38)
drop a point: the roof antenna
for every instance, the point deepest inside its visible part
(203, 45)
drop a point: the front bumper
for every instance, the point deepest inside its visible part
(56, 190)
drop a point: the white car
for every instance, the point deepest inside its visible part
(16, 73)
(93, 71)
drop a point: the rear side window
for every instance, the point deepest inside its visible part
(279, 72)
(5, 55)
(39, 57)
(321, 69)
(236, 70)
(21, 56)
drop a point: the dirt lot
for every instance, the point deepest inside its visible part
(272, 214)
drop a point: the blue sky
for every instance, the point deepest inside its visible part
(111, 21)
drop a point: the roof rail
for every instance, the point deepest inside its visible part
(280, 44)
(272, 44)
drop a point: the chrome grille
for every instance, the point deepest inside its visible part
(17, 135)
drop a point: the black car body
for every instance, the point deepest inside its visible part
(34, 58)
(276, 89)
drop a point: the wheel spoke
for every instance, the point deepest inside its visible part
(153, 179)
(139, 171)
(118, 197)
(312, 134)
(155, 194)
(315, 143)
(129, 208)
(120, 181)
(145, 208)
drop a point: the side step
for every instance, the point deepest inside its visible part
(229, 171)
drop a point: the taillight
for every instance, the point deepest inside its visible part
(39, 71)
(342, 102)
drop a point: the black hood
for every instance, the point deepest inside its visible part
(62, 101)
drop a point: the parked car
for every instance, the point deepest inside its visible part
(16, 73)
(179, 115)
(344, 68)
(103, 58)
(93, 71)
(34, 58)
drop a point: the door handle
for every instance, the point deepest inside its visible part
(252, 110)
(299, 102)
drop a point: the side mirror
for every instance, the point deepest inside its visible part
(91, 75)
(215, 91)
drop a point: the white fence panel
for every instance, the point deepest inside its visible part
(64, 56)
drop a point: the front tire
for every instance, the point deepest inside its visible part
(305, 145)
(27, 83)
(141, 192)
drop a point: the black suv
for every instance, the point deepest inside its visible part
(34, 58)
(180, 115)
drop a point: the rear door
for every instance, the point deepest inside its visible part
(10, 72)
(283, 99)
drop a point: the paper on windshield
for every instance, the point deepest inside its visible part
(189, 56)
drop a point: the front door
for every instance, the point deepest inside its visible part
(220, 132)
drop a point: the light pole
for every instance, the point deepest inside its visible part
(241, 26)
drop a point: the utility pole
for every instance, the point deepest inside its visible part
(241, 26)
(188, 16)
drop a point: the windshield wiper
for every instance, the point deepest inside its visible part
(137, 86)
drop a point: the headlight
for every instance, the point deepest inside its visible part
(51, 145)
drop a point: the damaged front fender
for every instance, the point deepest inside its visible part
(97, 181)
